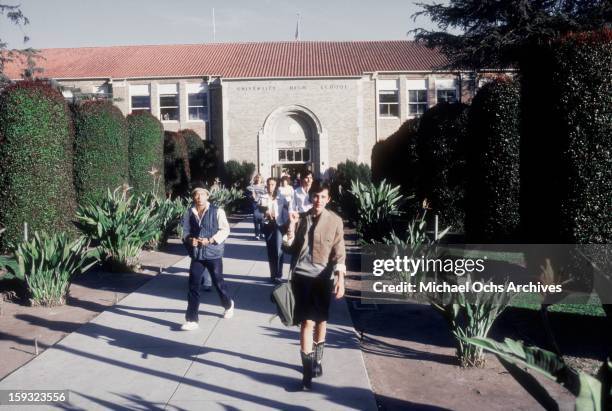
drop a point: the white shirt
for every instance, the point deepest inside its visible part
(278, 208)
(301, 201)
(286, 193)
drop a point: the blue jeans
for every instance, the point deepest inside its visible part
(258, 219)
(274, 241)
(196, 272)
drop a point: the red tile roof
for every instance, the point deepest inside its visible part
(236, 60)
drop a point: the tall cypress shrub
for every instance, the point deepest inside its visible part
(583, 78)
(441, 151)
(203, 156)
(36, 155)
(492, 196)
(176, 165)
(146, 152)
(101, 149)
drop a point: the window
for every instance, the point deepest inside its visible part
(168, 102)
(294, 155)
(140, 97)
(417, 97)
(388, 98)
(447, 96)
(446, 91)
(197, 101)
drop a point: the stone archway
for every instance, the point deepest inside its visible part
(293, 129)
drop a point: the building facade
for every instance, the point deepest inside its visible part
(283, 106)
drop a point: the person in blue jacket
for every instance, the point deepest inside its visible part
(205, 229)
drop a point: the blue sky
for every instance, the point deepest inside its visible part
(78, 23)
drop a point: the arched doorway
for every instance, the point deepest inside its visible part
(292, 140)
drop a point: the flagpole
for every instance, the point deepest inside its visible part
(297, 28)
(214, 26)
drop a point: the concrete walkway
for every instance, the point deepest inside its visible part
(133, 356)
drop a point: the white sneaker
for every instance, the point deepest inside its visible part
(229, 313)
(189, 326)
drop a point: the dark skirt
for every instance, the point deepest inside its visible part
(312, 297)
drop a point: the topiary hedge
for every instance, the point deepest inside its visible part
(36, 155)
(176, 165)
(492, 192)
(238, 174)
(583, 78)
(441, 144)
(341, 184)
(146, 153)
(203, 157)
(394, 159)
(101, 149)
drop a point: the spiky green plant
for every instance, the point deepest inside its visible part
(121, 224)
(415, 242)
(226, 198)
(169, 213)
(470, 315)
(591, 393)
(47, 263)
(377, 204)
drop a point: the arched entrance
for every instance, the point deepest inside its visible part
(291, 140)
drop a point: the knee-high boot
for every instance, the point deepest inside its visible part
(307, 361)
(317, 369)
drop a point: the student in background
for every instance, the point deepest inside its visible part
(256, 189)
(301, 200)
(274, 208)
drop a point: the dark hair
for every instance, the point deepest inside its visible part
(307, 173)
(318, 187)
(286, 178)
(275, 193)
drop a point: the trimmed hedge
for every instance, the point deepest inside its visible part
(441, 145)
(176, 165)
(341, 184)
(36, 155)
(583, 78)
(146, 149)
(101, 149)
(203, 157)
(395, 160)
(492, 193)
(238, 174)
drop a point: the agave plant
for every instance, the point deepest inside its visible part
(470, 317)
(169, 213)
(226, 198)
(377, 204)
(591, 393)
(47, 263)
(414, 243)
(121, 224)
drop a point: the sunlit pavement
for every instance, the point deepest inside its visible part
(134, 356)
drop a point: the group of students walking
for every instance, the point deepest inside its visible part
(293, 221)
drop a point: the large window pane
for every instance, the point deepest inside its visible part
(388, 97)
(197, 99)
(141, 102)
(197, 113)
(306, 156)
(168, 100)
(169, 113)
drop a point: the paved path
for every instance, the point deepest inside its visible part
(133, 356)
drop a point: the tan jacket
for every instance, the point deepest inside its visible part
(328, 242)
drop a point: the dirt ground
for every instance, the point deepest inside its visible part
(410, 354)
